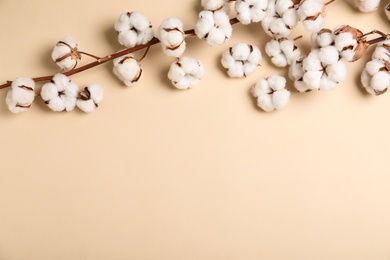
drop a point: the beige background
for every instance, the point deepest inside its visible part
(157, 173)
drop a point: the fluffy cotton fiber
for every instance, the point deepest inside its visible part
(241, 60)
(186, 72)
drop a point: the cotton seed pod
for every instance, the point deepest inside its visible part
(281, 17)
(133, 29)
(171, 35)
(66, 54)
(251, 11)
(21, 95)
(127, 69)
(241, 60)
(90, 97)
(60, 94)
(214, 27)
(365, 6)
(216, 5)
(350, 42)
(312, 14)
(186, 72)
(282, 51)
(271, 93)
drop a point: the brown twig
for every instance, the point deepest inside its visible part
(100, 61)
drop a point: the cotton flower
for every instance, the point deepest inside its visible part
(216, 5)
(133, 29)
(250, 11)
(312, 14)
(60, 94)
(282, 51)
(365, 6)
(387, 11)
(171, 35)
(322, 69)
(350, 42)
(214, 27)
(271, 93)
(281, 16)
(241, 60)
(21, 95)
(90, 97)
(127, 69)
(66, 54)
(186, 72)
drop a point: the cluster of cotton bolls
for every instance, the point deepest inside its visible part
(375, 77)
(282, 51)
(241, 60)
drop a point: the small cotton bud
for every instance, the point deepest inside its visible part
(89, 98)
(133, 29)
(365, 6)
(186, 72)
(60, 94)
(127, 69)
(21, 95)
(241, 60)
(171, 35)
(271, 93)
(312, 14)
(250, 11)
(66, 54)
(214, 27)
(282, 52)
(350, 42)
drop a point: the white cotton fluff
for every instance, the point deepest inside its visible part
(241, 60)
(271, 93)
(60, 94)
(281, 17)
(133, 29)
(296, 73)
(328, 55)
(365, 6)
(346, 45)
(250, 11)
(186, 72)
(312, 15)
(216, 5)
(66, 54)
(282, 52)
(387, 11)
(171, 35)
(214, 27)
(89, 99)
(323, 38)
(127, 69)
(21, 95)
(382, 51)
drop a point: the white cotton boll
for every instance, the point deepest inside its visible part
(278, 28)
(265, 102)
(241, 60)
(295, 71)
(281, 98)
(65, 54)
(328, 55)
(301, 86)
(380, 81)
(374, 66)
(171, 35)
(127, 69)
(215, 27)
(276, 82)
(89, 99)
(250, 11)
(290, 18)
(309, 8)
(365, 6)
(291, 51)
(133, 29)
(261, 88)
(60, 94)
(272, 48)
(186, 72)
(327, 83)
(314, 25)
(23, 91)
(312, 62)
(215, 5)
(279, 61)
(13, 106)
(381, 53)
(313, 79)
(337, 71)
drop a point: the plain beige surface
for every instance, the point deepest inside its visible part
(157, 173)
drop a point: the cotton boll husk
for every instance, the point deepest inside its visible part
(373, 66)
(313, 79)
(280, 98)
(265, 102)
(327, 84)
(328, 55)
(23, 90)
(380, 81)
(337, 71)
(276, 82)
